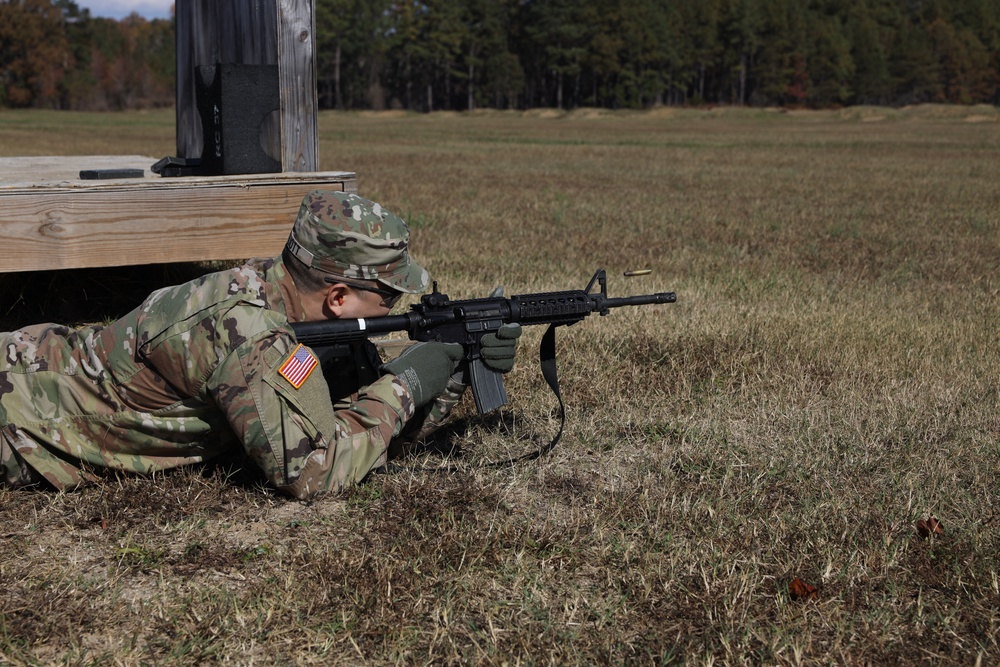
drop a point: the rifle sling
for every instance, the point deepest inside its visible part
(547, 361)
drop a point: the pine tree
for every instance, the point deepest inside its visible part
(872, 83)
(828, 62)
(561, 33)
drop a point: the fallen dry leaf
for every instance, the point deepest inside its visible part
(928, 527)
(800, 590)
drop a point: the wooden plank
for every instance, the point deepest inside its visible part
(28, 172)
(297, 78)
(50, 219)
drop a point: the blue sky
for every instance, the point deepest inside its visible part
(118, 9)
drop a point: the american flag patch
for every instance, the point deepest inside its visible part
(298, 366)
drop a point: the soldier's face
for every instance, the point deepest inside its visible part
(360, 303)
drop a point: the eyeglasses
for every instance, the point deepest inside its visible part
(389, 297)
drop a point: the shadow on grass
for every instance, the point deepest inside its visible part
(448, 445)
(77, 297)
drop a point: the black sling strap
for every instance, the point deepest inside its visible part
(547, 361)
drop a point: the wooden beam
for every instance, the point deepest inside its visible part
(50, 219)
(297, 79)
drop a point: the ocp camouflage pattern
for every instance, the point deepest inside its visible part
(354, 238)
(189, 374)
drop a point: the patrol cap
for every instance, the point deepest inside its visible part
(353, 238)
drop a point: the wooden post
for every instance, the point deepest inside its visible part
(253, 32)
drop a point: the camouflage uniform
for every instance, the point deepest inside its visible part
(210, 365)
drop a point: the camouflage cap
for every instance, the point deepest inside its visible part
(351, 237)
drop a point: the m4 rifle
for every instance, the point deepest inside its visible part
(437, 318)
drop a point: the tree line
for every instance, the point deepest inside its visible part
(53, 54)
(465, 54)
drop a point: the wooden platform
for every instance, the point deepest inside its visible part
(51, 219)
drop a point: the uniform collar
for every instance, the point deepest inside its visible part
(278, 275)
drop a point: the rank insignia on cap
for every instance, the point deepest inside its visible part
(298, 366)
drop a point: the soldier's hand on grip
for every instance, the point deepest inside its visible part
(499, 349)
(425, 368)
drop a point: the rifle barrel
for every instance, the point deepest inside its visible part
(331, 332)
(641, 299)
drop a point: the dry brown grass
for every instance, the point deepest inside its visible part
(828, 376)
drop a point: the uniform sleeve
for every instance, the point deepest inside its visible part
(427, 420)
(304, 446)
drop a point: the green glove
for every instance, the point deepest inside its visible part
(425, 368)
(498, 349)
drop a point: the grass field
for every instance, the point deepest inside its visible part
(828, 378)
